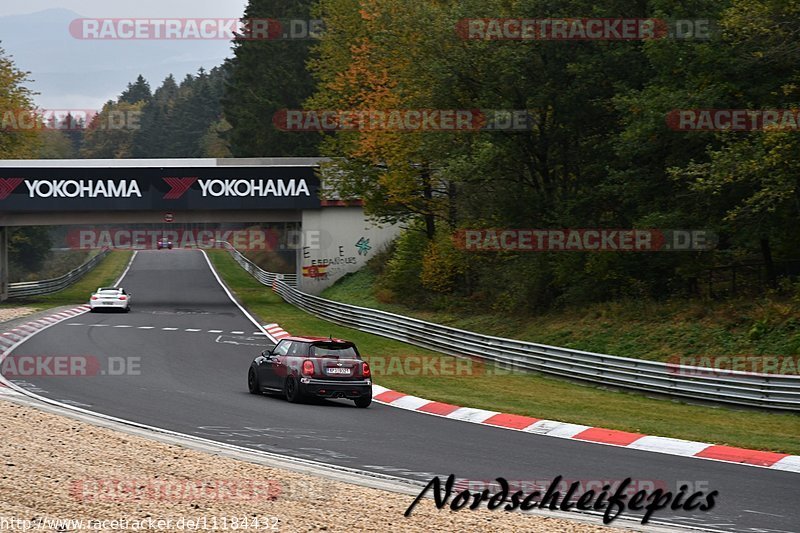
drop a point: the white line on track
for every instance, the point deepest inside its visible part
(244, 311)
(165, 434)
(135, 252)
(190, 330)
(761, 512)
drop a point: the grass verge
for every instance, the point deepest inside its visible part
(104, 274)
(524, 394)
(641, 329)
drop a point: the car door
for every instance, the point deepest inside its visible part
(272, 371)
(295, 356)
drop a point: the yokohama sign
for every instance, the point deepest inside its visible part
(145, 189)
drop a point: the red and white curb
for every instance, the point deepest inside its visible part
(552, 428)
(275, 331)
(16, 336)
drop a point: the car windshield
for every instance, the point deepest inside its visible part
(333, 349)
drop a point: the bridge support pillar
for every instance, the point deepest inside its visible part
(3, 263)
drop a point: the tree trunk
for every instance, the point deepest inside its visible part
(452, 214)
(427, 191)
(766, 252)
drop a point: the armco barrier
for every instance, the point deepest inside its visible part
(767, 391)
(48, 286)
(264, 277)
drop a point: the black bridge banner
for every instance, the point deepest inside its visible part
(28, 189)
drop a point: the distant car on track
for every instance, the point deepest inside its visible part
(164, 243)
(110, 298)
(303, 367)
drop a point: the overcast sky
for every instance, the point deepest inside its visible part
(126, 8)
(68, 73)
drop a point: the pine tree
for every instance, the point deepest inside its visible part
(266, 76)
(153, 138)
(139, 91)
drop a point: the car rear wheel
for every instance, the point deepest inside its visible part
(292, 391)
(363, 402)
(252, 382)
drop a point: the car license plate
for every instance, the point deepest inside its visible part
(108, 303)
(338, 371)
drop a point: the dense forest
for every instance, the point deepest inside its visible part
(599, 154)
(174, 120)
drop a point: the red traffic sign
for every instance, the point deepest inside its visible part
(169, 217)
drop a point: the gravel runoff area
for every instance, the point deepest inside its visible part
(15, 312)
(57, 468)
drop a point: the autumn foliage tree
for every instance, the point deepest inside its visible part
(597, 153)
(15, 100)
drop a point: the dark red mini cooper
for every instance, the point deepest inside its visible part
(302, 367)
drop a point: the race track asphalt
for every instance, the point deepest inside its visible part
(194, 382)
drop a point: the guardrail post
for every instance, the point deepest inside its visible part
(3, 264)
(298, 263)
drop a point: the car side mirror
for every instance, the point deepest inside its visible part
(266, 353)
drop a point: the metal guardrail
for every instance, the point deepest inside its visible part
(48, 286)
(264, 277)
(739, 388)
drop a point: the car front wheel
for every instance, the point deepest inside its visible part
(252, 382)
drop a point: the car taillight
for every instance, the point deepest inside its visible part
(308, 368)
(94, 297)
(365, 370)
(123, 297)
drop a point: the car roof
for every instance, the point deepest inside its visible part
(315, 339)
(109, 289)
